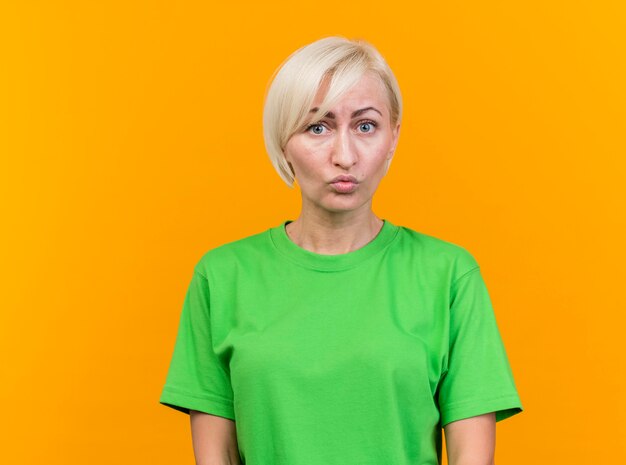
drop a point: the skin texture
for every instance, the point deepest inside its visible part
(471, 441)
(331, 222)
(214, 439)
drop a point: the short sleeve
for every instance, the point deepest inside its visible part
(196, 378)
(478, 378)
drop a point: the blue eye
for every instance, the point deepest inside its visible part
(367, 126)
(316, 127)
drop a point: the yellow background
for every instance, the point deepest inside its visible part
(131, 143)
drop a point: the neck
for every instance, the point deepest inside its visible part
(336, 234)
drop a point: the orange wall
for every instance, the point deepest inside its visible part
(121, 122)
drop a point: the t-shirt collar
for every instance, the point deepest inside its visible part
(322, 262)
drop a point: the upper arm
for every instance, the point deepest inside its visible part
(471, 441)
(214, 438)
(197, 378)
(477, 377)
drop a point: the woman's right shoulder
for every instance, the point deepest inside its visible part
(228, 254)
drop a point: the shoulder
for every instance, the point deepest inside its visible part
(437, 252)
(239, 251)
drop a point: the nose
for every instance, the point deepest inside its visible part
(343, 152)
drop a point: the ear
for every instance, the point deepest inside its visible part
(395, 136)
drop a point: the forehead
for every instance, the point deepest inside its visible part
(369, 90)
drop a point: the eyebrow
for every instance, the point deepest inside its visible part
(331, 115)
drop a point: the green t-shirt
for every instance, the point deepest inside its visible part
(356, 358)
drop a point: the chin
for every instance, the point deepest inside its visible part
(344, 204)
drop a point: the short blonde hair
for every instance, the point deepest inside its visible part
(296, 81)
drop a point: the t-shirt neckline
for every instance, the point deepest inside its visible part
(323, 262)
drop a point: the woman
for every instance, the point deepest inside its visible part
(338, 337)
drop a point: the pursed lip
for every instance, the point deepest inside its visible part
(344, 178)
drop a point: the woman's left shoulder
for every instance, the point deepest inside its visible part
(437, 249)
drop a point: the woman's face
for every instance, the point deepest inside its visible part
(355, 138)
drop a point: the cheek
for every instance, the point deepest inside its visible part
(373, 155)
(307, 156)
(374, 165)
(374, 147)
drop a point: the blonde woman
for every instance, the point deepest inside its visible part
(338, 337)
